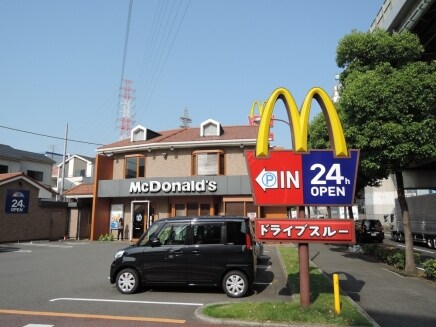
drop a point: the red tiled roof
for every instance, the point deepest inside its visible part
(183, 135)
(4, 177)
(8, 176)
(82, 189)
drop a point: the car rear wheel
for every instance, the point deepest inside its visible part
(235, 284)
(127, 281)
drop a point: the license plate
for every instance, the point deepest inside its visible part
(374, 234)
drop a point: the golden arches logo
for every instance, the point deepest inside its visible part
(255, 104)
(299, 121)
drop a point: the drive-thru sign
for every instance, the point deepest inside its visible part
(305, 230)
(301, 177)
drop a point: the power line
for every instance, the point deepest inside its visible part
(49, 136)
(155, 78)
(126, 42)
(158, 50)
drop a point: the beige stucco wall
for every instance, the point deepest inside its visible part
(235, 162)
(178, 163)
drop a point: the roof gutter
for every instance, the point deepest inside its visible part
(177, 145)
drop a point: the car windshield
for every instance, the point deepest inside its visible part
(372, 224)
(148, 234)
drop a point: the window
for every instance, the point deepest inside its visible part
(204, 209)
(79, 173)
(239, 208)
(210, 129)
(173, 234)
(36, 175)
(135, 167)
(4, 169)
(208, 163)
(235, 208)
(180, 209)
(206, 234)
(192, 209)
(236, 233)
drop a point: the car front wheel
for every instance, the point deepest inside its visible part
(127, 281)
(235, 284)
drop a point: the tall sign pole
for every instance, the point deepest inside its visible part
(302, 177)
(303, 264)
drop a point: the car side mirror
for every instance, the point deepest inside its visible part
(155, 242)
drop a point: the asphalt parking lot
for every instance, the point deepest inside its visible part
(72, 278)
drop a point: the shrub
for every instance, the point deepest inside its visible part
(430, 268)
(369, 248)
(391, 256)
(383, 254)
(397, 258)
(106, 237)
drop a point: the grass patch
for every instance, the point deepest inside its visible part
(319, 312)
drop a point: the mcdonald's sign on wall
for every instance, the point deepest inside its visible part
(300, 176)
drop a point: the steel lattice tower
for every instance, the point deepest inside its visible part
(126, 109)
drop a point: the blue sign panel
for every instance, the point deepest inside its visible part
(329, 180)
(17, 201)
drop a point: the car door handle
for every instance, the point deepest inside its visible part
(196, 252)
(177, 252)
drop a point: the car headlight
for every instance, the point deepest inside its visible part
(119, 254)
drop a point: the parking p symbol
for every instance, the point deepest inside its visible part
(269, 179)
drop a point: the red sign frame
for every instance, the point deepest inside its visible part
(338, 231)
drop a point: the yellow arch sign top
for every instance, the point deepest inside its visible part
(261, 106)
(299, 121)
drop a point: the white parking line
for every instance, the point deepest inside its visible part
(38, 325)
(393, 273)
(48, 245)
(15, 251)
(125, 301)
(417, 249)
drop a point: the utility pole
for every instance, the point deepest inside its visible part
(61, 191)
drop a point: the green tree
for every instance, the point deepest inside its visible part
(388, 107)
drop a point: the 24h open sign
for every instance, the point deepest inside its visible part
(313, 178)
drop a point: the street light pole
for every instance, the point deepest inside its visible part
(61, 191)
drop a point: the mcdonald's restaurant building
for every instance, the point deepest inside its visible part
(180, 172)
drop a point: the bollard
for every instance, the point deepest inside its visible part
(336, 294)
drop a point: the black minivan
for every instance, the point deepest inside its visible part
(368, 230)
(203, 251)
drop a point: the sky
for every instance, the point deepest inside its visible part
(62, 63)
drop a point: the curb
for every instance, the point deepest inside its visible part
(223, 321)
(234, 322)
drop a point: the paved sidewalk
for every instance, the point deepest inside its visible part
(389, 298)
